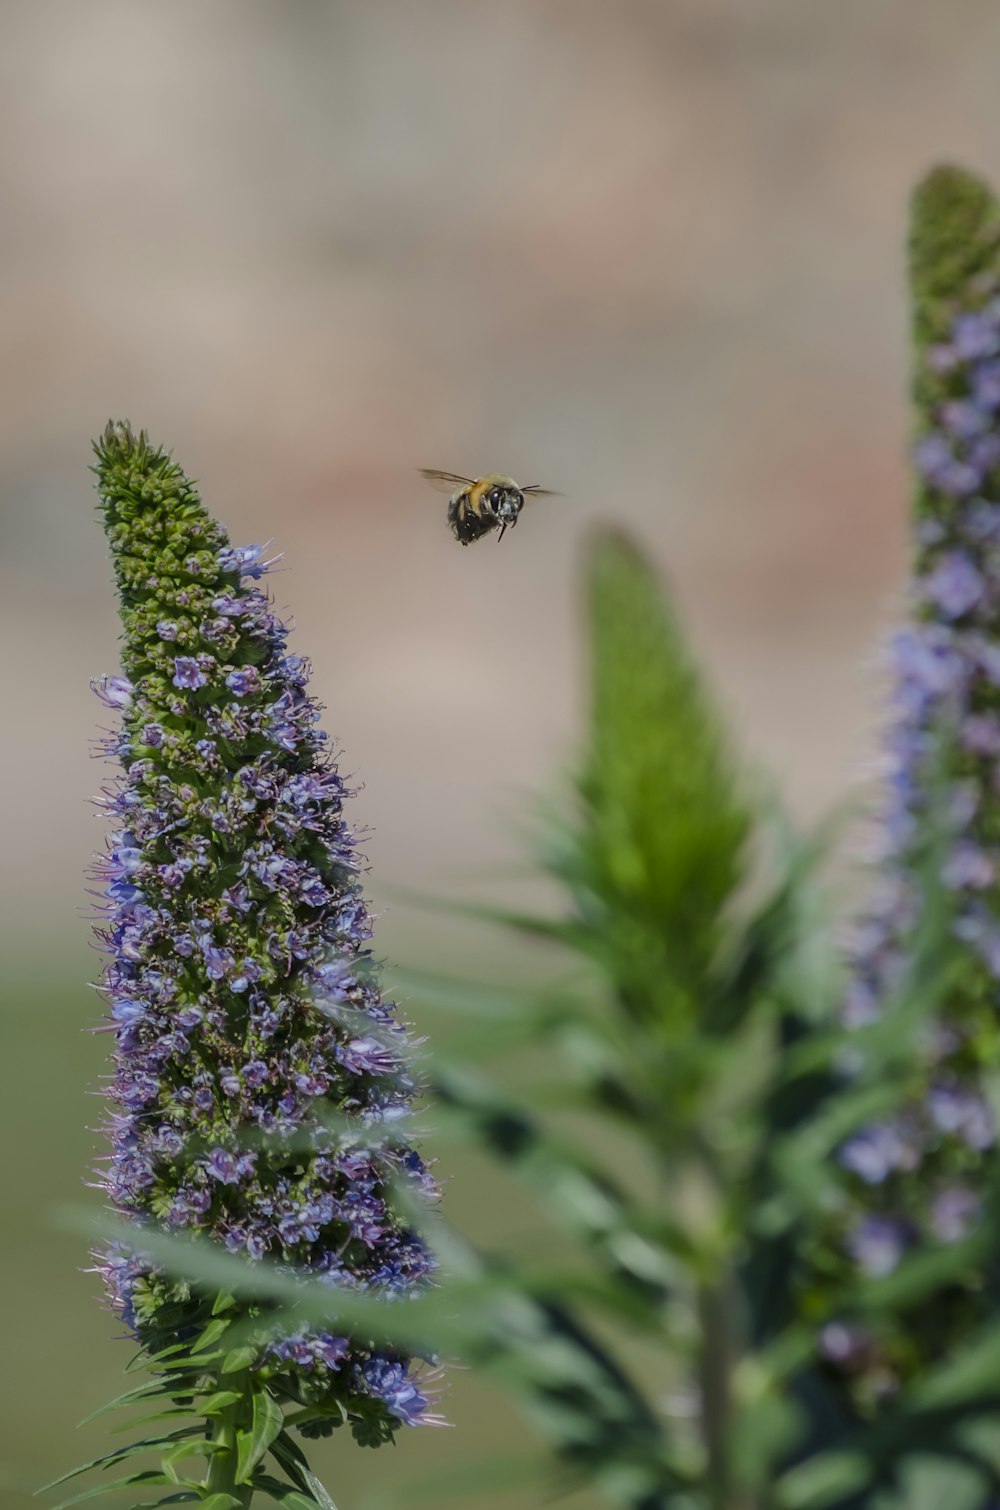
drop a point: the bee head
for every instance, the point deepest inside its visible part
(505, 502)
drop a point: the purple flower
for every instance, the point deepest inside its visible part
(246, 560)
(968, 868)
(877, 1244)
(942, 358)
(956, 1110)
(844, 1344)
(953, 1213)
(244, 681)
(975, 336)
(984, 454)
(223, 1165)
(965, 419)
(114, 691)
(927, 666)
(954, 586)
(980, 734)
(986, 387)
(943, 469)
(188, 673)
(389, 1380)
(366, 1056)
(877, 1151)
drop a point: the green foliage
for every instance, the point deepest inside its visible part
(658, 848)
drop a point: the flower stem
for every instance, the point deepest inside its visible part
(223, 1464)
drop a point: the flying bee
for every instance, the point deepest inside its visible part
(481, 504)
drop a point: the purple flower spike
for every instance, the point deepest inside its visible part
(243, 999)
(919, 1178)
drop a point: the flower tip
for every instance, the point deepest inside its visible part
(947, 187)
(118, 443)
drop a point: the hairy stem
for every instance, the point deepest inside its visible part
(222, 1467)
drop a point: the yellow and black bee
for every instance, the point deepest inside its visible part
(481, 504)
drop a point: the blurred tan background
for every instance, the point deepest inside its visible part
(647, 252)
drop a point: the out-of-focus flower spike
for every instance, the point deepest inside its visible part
(913, 1182)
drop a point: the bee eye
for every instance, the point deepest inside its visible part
(496, 496)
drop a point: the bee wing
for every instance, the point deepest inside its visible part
(536, 492)
(445, 482)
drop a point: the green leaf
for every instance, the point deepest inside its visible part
(924, 1274)
(111, 1459)
(211, 1334)
(223, 1302)
(238, 1358)
(929, 1483)
(293, 1460)
(151, 1476)
(266, 1424)
(294, 1499)
(200, 1447)
(186, 1497)
(221, 1502)
(317, 1490)
(199, 1363)
(822, 1480)
(969, 1372)
(211, 1405)
(179, 1413)
(159, 1387)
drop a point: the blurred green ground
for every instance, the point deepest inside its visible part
(61, 1354)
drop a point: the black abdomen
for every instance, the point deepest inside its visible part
(466, 525)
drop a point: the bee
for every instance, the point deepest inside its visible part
(481, 504)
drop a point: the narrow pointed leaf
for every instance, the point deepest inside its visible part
(212, 1404)
(292, 1499)
(211, 1334)
(110, 1459)
(145, 1391)
(152, 1476)
(238, 1359)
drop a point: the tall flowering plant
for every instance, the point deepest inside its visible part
(918, 1176)
(258, 1070)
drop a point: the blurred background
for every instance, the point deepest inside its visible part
(646, 252)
